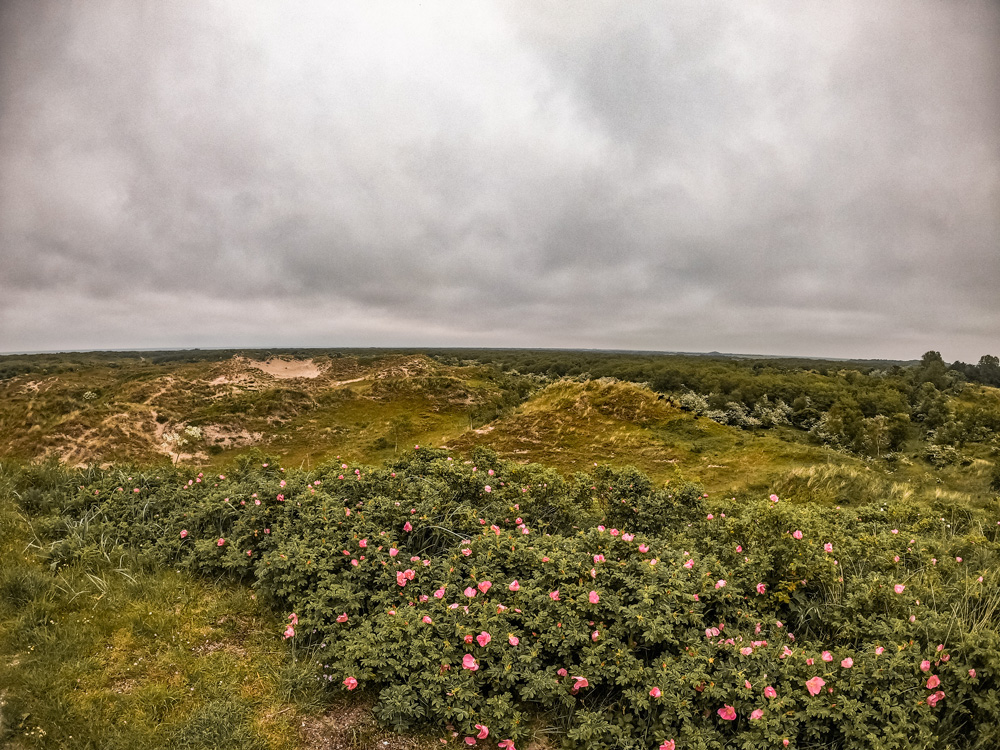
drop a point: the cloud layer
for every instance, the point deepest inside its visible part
(789, 177)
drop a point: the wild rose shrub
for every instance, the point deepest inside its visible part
(625, 615)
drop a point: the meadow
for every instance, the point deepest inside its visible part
(496, 548)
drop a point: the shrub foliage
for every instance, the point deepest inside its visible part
(490, 599)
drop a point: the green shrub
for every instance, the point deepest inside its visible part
(395, 576)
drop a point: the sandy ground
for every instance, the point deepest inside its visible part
(287, 369)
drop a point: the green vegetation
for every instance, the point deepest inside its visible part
(117, 632)
(498, 600)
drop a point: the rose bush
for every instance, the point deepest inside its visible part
(622, 614)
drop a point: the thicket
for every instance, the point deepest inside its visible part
(494, 600)
(868, 407)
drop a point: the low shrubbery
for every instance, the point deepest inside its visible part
(490, 599)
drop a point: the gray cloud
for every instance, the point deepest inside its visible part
(782, 177)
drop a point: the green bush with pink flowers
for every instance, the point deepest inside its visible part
(492, 600)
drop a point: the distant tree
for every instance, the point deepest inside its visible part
(932, 369)
(988, 370)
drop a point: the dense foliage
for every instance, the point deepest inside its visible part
(493, 599)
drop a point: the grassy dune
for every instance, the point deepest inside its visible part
(112, 652)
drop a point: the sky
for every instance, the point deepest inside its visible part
(787, 177)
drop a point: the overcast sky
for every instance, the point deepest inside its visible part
(809, 177)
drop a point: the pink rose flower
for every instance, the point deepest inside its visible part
(815, 685)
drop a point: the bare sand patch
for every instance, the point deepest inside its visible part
(285, 369)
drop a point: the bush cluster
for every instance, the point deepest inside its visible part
(489, 598)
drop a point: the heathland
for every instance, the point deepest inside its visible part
(338, 548)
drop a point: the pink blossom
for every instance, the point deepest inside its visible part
(879, 650)
(770, 692)
(410, 574)
(400, 579)
(470, 592)
(581, 682)
(350, 682)
(925, 666)
(756, 714)
(469, 662)
(427, 620)
(554, 595)
(644, 548)
(513, 640)
(972, 673)
(797, 534)
(709, 516)
(828, 547)
(220, 542)
(484, 732)
(689, 564)
(184, 533)
(514, 586)
(562, 672)
(407, 527)
(594, 597)
(746, 650)
(720, 584)
(506, 745)
(668, 745)
(815, 685)
(598, 559)
(747, 685)
(289, 632)
(342, 617)
(932, 700)
(761, 588)
(933, 681)
(483, 639)
(826, 656)
(899, 588)
(466, 551)
(484, 586)
(727, 712)
(439, 594)
(363, 543)
(595, 636)
(847, 663)
(393, 551)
